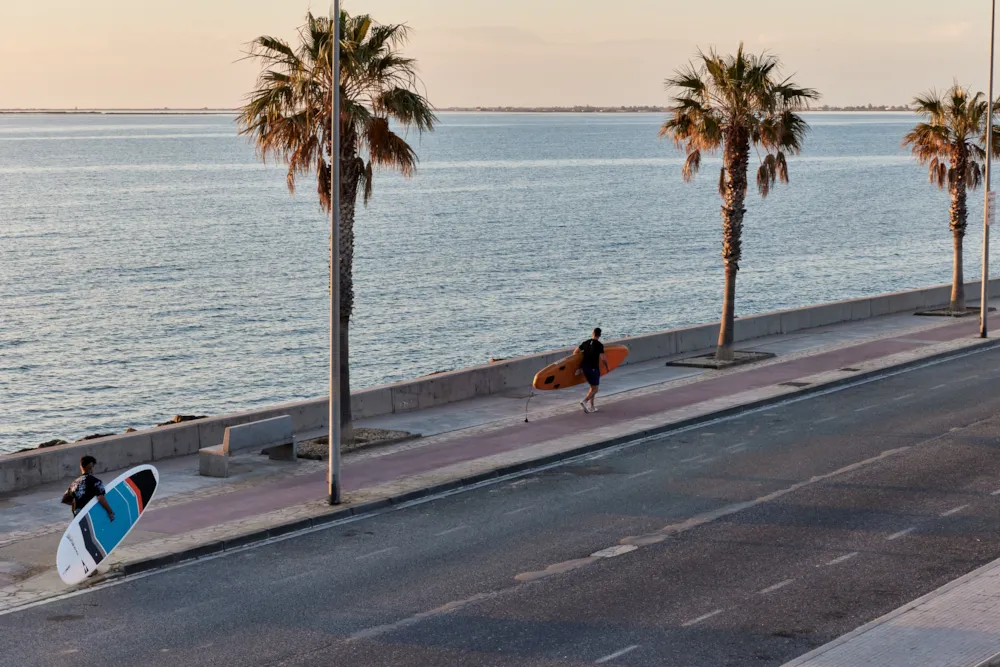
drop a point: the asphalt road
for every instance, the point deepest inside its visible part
(745, 542)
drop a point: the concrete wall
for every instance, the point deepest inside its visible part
(28, 469)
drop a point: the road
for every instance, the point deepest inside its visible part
(748, 541)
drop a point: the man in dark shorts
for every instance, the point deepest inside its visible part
(594, 360)
(85, 487)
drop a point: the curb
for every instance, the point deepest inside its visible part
(376, 506)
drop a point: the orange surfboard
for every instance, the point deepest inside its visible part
(562, 374)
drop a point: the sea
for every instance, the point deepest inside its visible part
(153, 265)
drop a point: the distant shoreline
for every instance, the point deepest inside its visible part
(539, 110)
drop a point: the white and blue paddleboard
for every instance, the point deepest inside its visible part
(92, 536)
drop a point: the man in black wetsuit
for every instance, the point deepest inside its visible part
(594, 360)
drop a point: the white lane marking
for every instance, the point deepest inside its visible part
(376, 553)
(826, 419)
(841, 559)
(738, 445)
(736, 450)
(704, 617)
(783, 431)
(615, 551)
(616, 654)
(867, 407)
(780, 584)
(903, 397)
(902, 533)
(996, 493)
(693, 458)
(518, 510)
(641, 474)
(939, 386)
(580, 493)
(955, 510)
(451, 530)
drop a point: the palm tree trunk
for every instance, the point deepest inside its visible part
(736, 159)
(349, 180)
(959, 214)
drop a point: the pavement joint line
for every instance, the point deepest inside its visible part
(376, 553)
(584, 453)
(616, 654)
(902, 533)
(955, 510)
(642, 474)
(777, 586)
(841, 559)
(903, 397)
(451, 530)
(703, 617)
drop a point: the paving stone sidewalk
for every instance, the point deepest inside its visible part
(207, 514)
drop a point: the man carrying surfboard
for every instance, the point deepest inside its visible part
(593, 360)
(85, 487)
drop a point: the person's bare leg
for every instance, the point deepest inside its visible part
(588, 398)
(593, 395)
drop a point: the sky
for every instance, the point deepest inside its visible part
(186, 53)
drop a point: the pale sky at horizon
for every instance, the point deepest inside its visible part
(185, 53)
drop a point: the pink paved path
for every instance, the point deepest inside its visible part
(370, 472)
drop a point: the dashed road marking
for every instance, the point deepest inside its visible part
(996, 493)
(903, 397)
(826, 419)
(615, 551)
(518, 510)
(902, 533)
(783, 431)
(376, 553)
(617, 654)
(938, 386)
(641, 474)
(955, 510)
(451, 530)
(703, 617)
(780, 584)
(693, 458)
(580, 493)
(841, 559)
(738, 445)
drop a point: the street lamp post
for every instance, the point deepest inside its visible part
(333, 475)
(984, 297)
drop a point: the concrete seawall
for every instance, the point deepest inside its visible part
(27, 469)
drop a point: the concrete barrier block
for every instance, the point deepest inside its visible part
(367, 403)
(749, 328)
(795, 320)
(861, 309)
(694, 339)
(213, 462)
(902, 302)
(170, 441)
(832, 313)
(20, 471)
(650, 346)
(261, 434)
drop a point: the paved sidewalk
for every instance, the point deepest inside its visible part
(957, 625)
(461, 441)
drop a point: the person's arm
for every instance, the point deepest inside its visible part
(604, 360)
(107, 507)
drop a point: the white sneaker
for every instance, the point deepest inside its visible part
(584, 406)
(593, 408)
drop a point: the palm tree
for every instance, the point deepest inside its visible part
(288, 118)
(733, 103)
(950, 142)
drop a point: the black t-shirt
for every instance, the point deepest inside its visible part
(83, 489)
(592, 351)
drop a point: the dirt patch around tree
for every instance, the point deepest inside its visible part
(319, 449)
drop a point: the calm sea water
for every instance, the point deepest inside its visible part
(150, 265)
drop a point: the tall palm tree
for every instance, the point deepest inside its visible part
(287, 116)
(951, 143)
(734, 102)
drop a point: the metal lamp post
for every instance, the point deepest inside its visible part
(984, 297)
(333, 475)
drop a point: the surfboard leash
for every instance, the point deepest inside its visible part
(528, 402)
